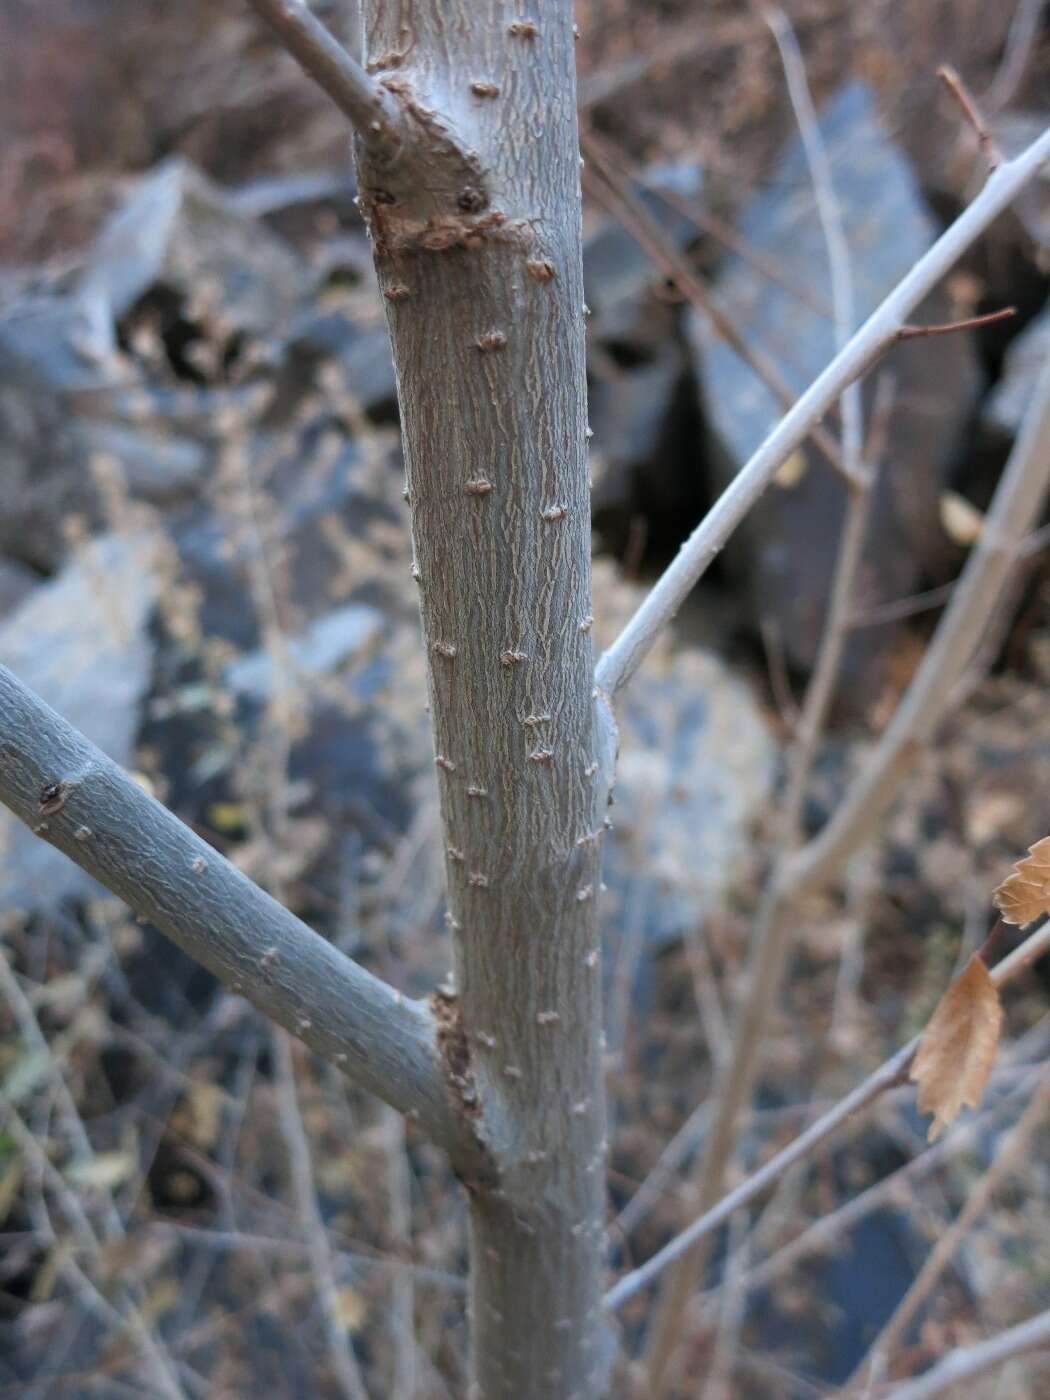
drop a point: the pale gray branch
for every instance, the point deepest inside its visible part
(1017, 53)
(860, 475)
(73, 796)
(619, 663)
(873, 1367)
(894, 1071)
(974, 1361)
(370, 107)
(826, 1228)
(1018, 502)
(345, 1369)
(829, 213)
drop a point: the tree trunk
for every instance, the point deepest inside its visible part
(477, 240)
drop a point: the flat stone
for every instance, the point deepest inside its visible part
(82, 643)
(1006, 405)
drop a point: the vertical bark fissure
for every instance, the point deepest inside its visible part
(478, 249)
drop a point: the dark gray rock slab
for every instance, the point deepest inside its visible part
(189, 311)
(82, 642)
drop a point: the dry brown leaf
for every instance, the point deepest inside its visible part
(958, 1047)
(1025, 894)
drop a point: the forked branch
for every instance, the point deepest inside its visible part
(1018, 502)
(74, 797)
(371, 109)
(619, 663)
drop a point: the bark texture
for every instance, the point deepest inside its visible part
(476, 229)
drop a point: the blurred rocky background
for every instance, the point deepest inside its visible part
(205, 565)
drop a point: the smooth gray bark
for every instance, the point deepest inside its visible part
(465, 126)
(477, 244)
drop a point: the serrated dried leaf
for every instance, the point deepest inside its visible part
(958, 1047)
(1025, 893)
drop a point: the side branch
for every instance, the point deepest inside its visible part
(619, 663)
(890, 1074)
(370, 107)
(73, 796)
(972, 1361)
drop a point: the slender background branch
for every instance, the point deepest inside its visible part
(859, 474)
(893, 1072)
(619, 663)
(1015, 510)
(1017, 504)
(1007, 1153)
(974, 1361)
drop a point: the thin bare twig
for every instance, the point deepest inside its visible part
(125, 1316)
(1016, 54)
(777, 671)
(900, 608)
(304, 1191)
(706, 222)
(986, 143)
(662, 1171)
(819, 1234)
(894, 1071)
(615, 193)
(733, 1306)
(1017, 505)
(873, 1368)
(29, 1026)
(972, 1361)
(403, 1284)
(83, 1152)
(229, 1241)
(102, 819)
(659, 1182)
(733, 1082)
(970, 323)
(829, 212)
(619, 663)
